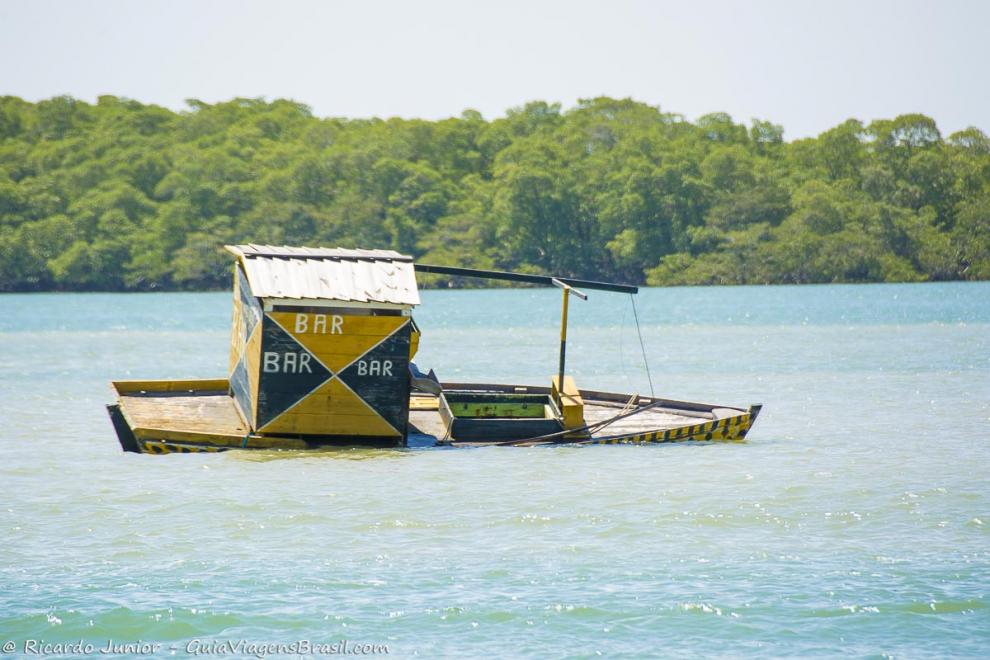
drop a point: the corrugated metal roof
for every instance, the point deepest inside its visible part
(367, 276)
(252, 250)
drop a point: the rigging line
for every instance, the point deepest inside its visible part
(642, 346)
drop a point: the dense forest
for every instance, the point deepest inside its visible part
(125, 196)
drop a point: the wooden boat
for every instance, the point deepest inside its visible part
(321, 356)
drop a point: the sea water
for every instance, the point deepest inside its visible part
(854, 520)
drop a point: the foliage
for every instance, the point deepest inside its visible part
(125, 196)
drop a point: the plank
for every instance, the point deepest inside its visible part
(197, 385)
(205, 413)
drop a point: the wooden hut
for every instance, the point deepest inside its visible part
(322, 339)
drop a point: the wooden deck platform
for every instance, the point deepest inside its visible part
(185, 416)
(205, 411)
(200, 415)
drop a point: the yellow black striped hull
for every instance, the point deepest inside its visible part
(729, 429)
(184, 417)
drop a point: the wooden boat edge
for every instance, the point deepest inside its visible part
(159, 440)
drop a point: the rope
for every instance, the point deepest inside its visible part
(642, 346)
(629, 404)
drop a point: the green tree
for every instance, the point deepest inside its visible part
(120, 195)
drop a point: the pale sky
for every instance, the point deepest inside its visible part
(807, 65)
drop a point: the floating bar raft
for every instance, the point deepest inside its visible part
(160, 417)
(322, 341)
(321, 355)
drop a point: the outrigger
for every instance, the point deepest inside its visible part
(321, 355)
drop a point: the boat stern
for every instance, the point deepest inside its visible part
(124, 433)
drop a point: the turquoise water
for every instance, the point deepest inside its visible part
(855, 520)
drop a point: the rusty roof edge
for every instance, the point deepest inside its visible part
(333, 254)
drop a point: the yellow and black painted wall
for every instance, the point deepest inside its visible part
(336, 374)
(245, 347)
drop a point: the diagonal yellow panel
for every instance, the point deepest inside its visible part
(413, 342)
(337, 340)
(236, 333)
(252, 359)
(331, 409)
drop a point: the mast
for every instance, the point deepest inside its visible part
(568, 291)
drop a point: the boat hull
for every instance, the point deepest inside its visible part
(191, 416)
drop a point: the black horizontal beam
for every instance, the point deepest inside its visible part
(546, 280)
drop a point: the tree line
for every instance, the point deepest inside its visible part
(120, 195)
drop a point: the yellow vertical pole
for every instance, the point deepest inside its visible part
(568, 291)
(563, 343)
